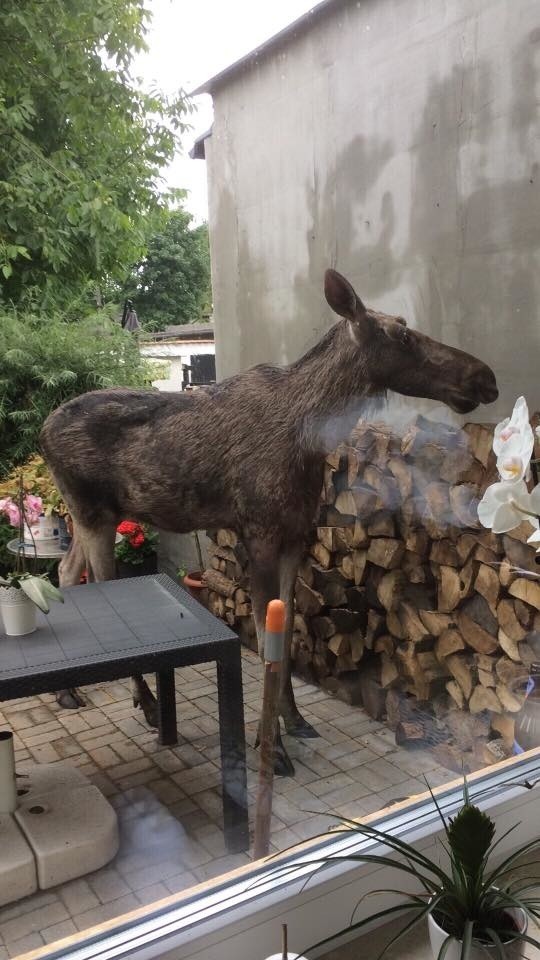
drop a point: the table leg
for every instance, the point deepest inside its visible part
(233, 750)
(166, 698)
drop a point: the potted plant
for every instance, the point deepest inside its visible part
(135, 554)
(194, 580)
(474, 910)
(20, 594)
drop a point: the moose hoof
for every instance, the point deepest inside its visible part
(70, 699)
(300, 728)
(145, 699)
(283, 765)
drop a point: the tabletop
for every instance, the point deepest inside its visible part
(115, 621)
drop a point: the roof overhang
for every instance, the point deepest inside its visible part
(294, 29)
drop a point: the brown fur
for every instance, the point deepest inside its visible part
(247, 453)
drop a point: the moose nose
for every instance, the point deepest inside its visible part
(486, 385)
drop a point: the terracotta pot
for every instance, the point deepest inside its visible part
(195, 585)
(144, 569)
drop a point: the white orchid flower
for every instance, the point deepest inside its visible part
(505, 505)
(515, 426)
(514, 458)
(534, 539)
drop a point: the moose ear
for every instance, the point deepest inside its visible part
(341, 296)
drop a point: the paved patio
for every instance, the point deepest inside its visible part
(168, 798)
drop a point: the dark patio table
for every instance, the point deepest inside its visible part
(110, 630)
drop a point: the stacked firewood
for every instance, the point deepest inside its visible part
(404, 603)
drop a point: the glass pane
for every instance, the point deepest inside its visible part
(329, 454)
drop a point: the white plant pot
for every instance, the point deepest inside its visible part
(512, 950)
(18, 612)
(8, 781)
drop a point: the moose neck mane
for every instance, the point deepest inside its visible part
(329, 390)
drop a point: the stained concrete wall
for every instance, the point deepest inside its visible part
(398, 141)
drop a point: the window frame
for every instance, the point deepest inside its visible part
(239, 916)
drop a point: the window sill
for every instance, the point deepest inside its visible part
(239, 918)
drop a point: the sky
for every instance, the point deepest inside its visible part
(190, 41)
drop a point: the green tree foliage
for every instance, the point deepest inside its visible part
(81, 145)
(44, 363)
(172, 283)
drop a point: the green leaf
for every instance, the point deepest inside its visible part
(470, 834)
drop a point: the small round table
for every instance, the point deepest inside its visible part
(45, 551)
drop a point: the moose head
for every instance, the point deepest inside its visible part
(406, 361)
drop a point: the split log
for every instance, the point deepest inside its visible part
(308, 601)
(509, 646)
(389, 672)
(459, 667)
(456, 693)
(465, 545)
(434, 622)
(353, 566)
(381, 525)
(321, 554)
(402, 473)
(339, 644)
(464, 501)
(474, 635)
(481, 441)
(356, 641)
(488, 585)
(386, 553)
(449, 591)
(390, 589)
(444, 552)
(450, 641)
(526, 590)
(220, 584)
(484, 698)
(375, 626)
(411, 623)
(506, 615)
(226, 538)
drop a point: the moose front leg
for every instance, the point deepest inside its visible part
(144, 698)
(295, 724)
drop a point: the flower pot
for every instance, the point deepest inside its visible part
(144, 569)
(513, 949)
(195, 584)
(18, 612)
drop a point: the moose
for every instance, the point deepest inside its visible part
(246, 453)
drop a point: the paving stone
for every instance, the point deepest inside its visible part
(152, 893)
(106, 911)
(126, 769)
(108, 885)
(33, 921)
(180, 881)
(105, 757)
(331, 784)
(58, 931)
(31, 942)
(78, 896)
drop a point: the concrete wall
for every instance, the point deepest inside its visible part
(398, 141)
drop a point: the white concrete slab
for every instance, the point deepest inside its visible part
(17, 865)
(72, 831)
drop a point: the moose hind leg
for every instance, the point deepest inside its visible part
(69, 574)
(295, 724)
(264, 566)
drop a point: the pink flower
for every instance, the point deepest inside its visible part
(33, 507)
(11, 510)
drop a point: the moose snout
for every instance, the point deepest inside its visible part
(486, 384)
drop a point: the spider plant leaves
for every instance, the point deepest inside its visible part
(40, 591)
(470, 834)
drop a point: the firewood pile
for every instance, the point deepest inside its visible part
(404, 603)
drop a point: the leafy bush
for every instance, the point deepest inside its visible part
(45, 362)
